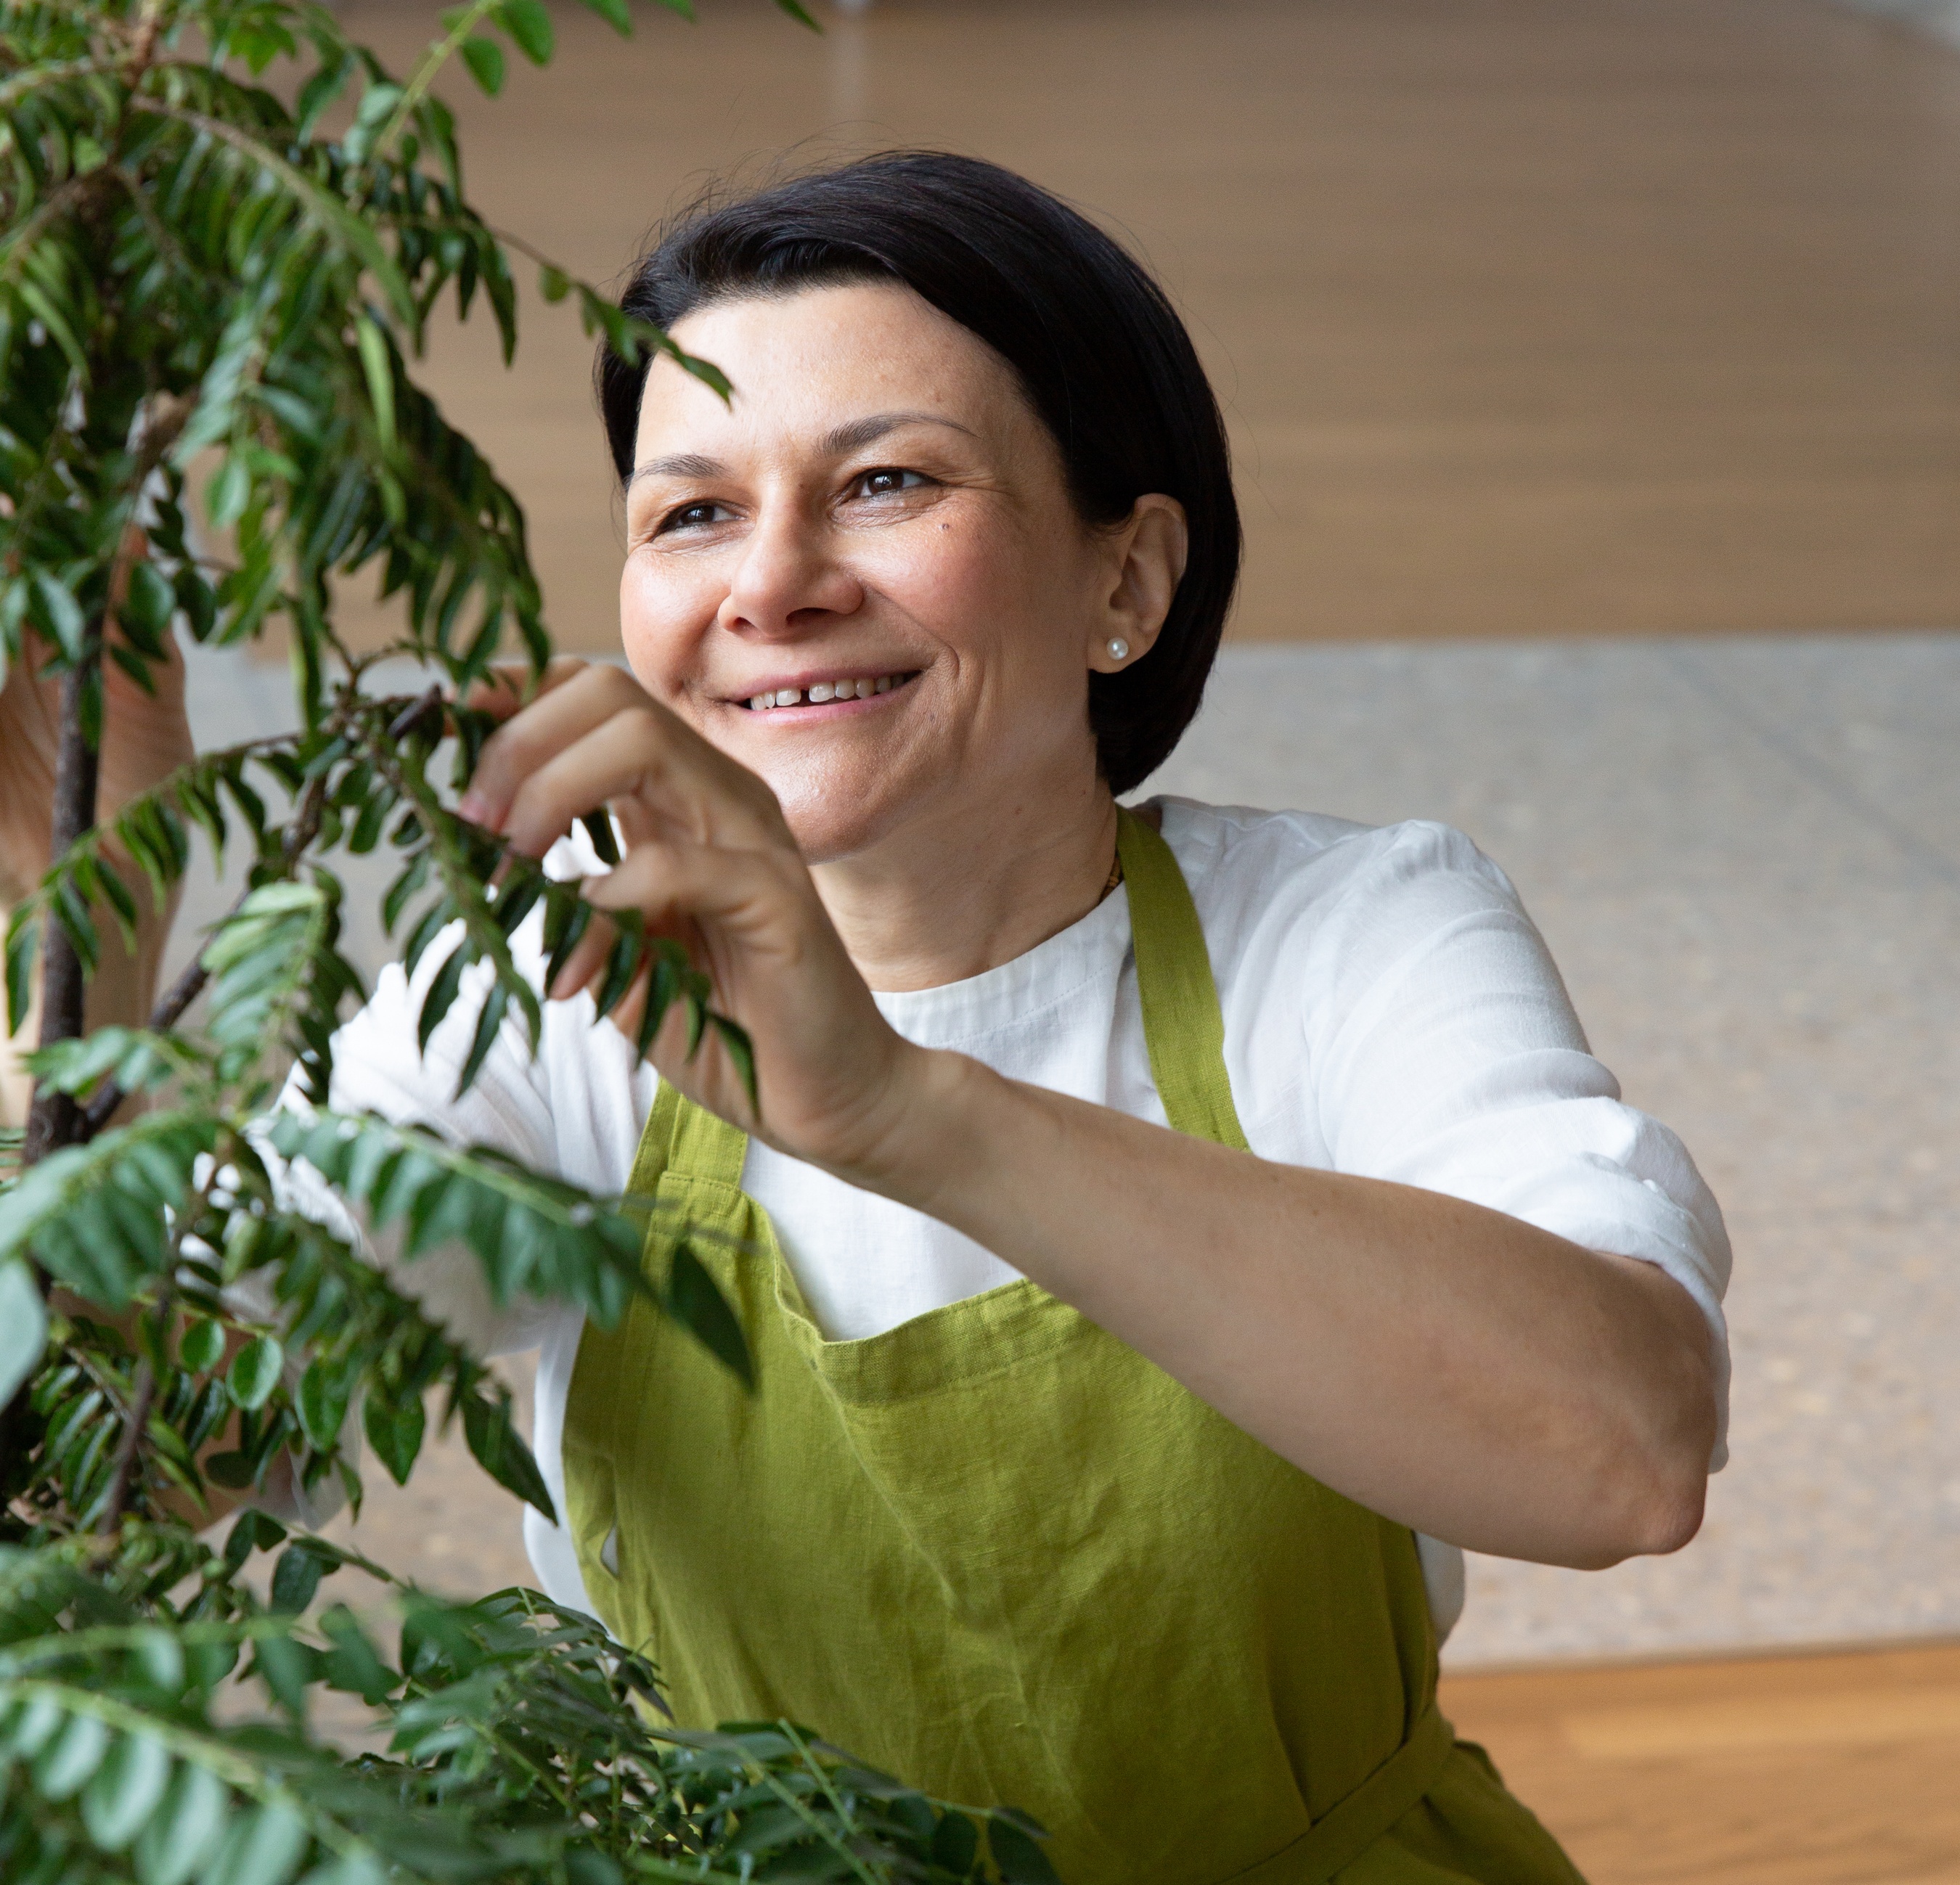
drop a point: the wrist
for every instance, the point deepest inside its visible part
(929, 1134)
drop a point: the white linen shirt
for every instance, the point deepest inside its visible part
(1389, 1010)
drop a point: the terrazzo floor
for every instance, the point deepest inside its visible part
(1745, 854)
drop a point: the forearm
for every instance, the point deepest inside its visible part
(1473, 1376)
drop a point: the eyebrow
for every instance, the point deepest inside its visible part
(838, 443)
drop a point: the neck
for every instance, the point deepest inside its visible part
(955, 893)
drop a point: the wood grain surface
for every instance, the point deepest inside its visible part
(1532, 317)
(1831, 1768)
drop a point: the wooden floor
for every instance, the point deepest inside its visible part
(1533, 317)
(1826, 1769)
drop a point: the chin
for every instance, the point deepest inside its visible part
(838, 813)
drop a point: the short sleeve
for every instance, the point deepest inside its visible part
(1447, 1054)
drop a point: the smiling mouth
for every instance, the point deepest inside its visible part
(822, 693)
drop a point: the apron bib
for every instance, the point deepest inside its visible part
(997, 1552)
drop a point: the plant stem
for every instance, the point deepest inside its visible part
(142, 1399)
(55, 1120)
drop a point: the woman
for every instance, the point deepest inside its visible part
(1098, 1461)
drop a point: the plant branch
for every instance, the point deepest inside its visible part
(142, 1399)
(148, 24)
(435, 56)
(55, 1120)
(178, 998)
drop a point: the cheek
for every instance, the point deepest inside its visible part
(980, 586)
(661, 623)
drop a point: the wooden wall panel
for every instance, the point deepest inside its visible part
(1532, 316)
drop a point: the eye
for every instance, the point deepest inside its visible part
(693, 516)
(887, 481)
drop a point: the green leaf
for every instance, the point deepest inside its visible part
(254, 1371)
(736, 1043)
(178, 1840)
(352, 1664)
(501, 1451)
(128, 1788)
(63, 613)
(295, 1578)
(64, 1768)
(23, 1328)
(488, 1021)
(286, 1668)
(377, 363)
(956, 1843)
(614, 11)
(529, 25)
(1010, 1839)
(395, 1432)
(694, 1301)
(485, 58)
(24, 949)
(228, 492)
(266, 1848)
(800, 13)
(441, 995)
(322, 1404)
(357, 1868)
(255, 1531)
(202, 1347)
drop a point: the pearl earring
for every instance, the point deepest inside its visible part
(1118, 647)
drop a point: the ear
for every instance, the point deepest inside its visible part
(1146, 558)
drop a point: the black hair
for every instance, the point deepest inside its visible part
(1101, 353)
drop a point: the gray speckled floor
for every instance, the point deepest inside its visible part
(1745, 854)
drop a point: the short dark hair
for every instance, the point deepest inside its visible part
(1102, 354)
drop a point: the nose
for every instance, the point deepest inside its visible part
(788, 581)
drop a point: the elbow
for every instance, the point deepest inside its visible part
(1657, 1493)
(1671, 1515)
(1644, 1513)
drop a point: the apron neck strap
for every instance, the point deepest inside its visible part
(1184, 1027)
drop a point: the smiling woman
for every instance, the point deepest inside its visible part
(1167, 1235)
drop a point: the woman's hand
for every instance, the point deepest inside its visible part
(709, 860)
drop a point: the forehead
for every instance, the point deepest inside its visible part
(801, 363)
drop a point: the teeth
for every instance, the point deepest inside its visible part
(823, 692)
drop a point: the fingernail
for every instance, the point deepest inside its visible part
(473, 806)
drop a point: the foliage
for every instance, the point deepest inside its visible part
(209, 281)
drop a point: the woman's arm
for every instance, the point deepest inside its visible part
(145, 736)
(1477, 1378)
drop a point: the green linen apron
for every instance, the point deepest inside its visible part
(997, 1552)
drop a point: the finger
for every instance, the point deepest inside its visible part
(510, 686)
(587, 957)
(671, 781)
(681, 888)
(539, 730)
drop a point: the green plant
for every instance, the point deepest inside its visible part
(197, 276)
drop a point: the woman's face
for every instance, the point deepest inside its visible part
(863, 577)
